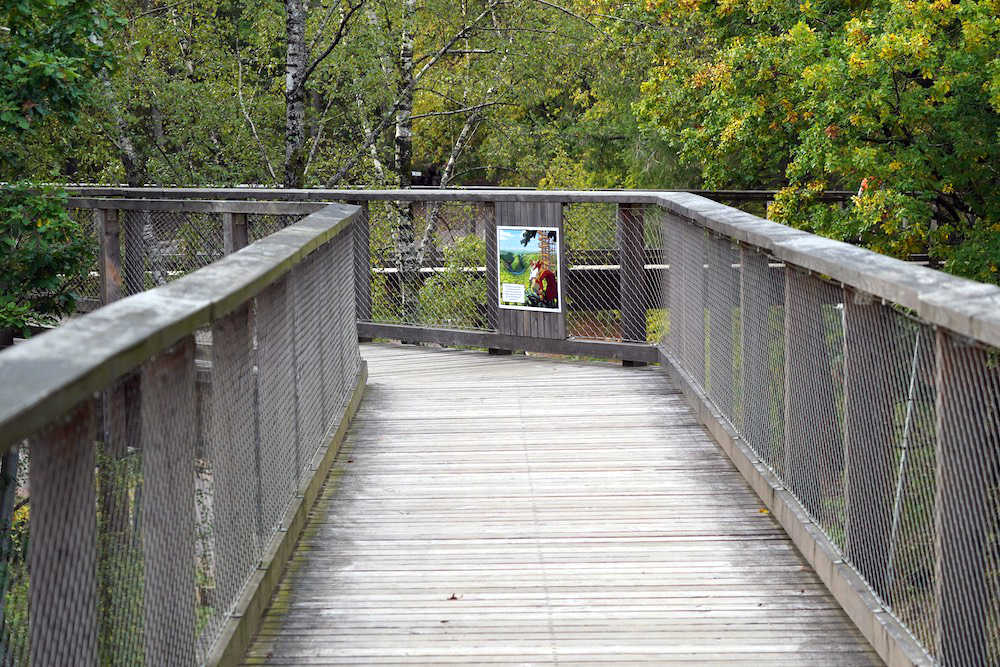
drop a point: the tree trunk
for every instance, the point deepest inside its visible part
(296, 57)
(407, 262)
(427, 241)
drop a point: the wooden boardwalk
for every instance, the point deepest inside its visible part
(529, 511)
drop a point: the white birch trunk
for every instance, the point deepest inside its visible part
(296, 62)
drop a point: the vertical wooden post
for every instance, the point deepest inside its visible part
(492, 279)
(111, 259)
(967, 438)
(235, 234)
(362, 266)
(871, 355)
(631, 274)
(168, 513)
(233, 435)
(757, 299)
(63, 547)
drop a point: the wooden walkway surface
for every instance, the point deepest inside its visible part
(529, 511)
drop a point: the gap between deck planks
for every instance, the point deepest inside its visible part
(521, 510)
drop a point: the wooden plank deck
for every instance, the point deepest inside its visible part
(529, 511)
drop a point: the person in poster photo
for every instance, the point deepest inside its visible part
(545, 290)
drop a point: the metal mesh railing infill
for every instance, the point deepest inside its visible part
(426, 267)
(136, 518)
(159, 245)
(884, 428)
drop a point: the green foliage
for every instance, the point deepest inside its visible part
(50, 53)
(897, 100)
(453, 297)
(43, 253)
(14, 581)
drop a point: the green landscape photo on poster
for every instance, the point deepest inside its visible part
(528, 268)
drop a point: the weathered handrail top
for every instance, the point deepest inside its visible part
(964, 306)
(47, 375)
(246, 193)
(200, 205)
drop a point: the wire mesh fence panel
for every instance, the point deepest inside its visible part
(310, 363)
(884, 428)
(967, 478)
(592, 280)
(762, 356)
(890, 444)
(814, 460)
(690, 240)
(427, 263)
(656, 274)
(227, 462)
(143, 513)
(722, 295)
(119, 505)
(261, 225)
(88, 287)
(276, 402)
(15, 516)
(160, 246)
(613, 257)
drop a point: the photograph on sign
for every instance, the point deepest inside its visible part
(528, 268)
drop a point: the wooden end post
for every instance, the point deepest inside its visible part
(235, 233)
(108, 235)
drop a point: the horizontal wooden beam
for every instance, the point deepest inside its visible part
(368, 195)
(492, 340)
(170, 205)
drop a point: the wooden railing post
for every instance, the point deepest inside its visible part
(631, 274)
(967, 439)
(871, 355)
(235, 234)
(168, 512)
(108, 230)
(63, 547)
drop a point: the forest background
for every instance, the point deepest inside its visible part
(896, 100)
